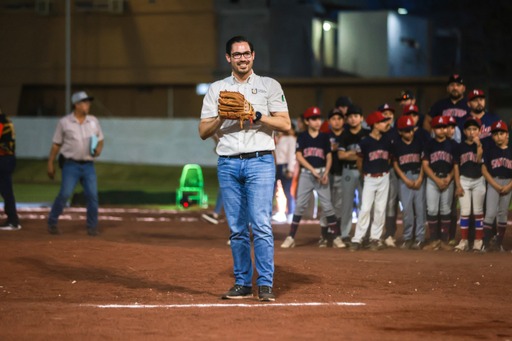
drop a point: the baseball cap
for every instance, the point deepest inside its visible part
(385, 107)
(410, 109)
(80, 96)
(335, 111)
(439, 121)
(405, 123)
(455, 78)
(472, 121)
(354, 110)
(312, 112)
(376, 117)
(405, 95)
(343, 101)
(475, 94)
(451, 121)
(499, 126)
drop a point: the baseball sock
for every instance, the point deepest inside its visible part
(295, 225)
(332, 225)
(502, 227)
(479, 226)
(445, 227)
(488, 234)
(432, 227)
(464, 227)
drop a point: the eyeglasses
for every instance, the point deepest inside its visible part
(238, 55)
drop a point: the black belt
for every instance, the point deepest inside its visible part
(502, 177)
(441, 175)
(247, 155)
(350, 166)
(415, 171)
(79, 161)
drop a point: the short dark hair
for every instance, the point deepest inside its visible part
(237, 39)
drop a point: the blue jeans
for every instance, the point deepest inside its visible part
(248, 186)
(72, 172)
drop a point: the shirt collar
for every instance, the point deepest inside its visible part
(249, 80)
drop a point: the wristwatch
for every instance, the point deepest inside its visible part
(258, 116)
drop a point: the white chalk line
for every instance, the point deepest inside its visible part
(220, 305)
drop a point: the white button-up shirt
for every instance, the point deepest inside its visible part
(75, 138)
(266, 96)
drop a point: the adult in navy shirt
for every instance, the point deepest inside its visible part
(476, 103)
(454, 105)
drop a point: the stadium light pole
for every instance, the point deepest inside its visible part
(68, 57)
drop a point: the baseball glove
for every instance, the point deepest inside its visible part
(234, 106)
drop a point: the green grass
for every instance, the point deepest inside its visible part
(31, 183)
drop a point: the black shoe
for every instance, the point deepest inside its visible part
(265, 294)
(10, 227)
(355, 247)
(407, 245)
(376, 245)
(52, 229)
(238, 292)
(346, 240)
(92, 232)
(417, 246)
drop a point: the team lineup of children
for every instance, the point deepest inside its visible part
(460, 151)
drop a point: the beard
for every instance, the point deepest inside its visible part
(478, 110)
(455, 95)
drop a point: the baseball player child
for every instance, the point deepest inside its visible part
(470, 184)
(497, 170)
(373, 163)
(348, 149)
(407, 153)
(336, 121)
(315, 159)
(438, 159)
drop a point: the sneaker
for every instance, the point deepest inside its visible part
(212, 218)
(338, 243)
(446, 247)
(10, 227)
(390, 242)
(355, 247)
(288, 243)
(347, 241)
(406, 245)
(433, 246)
(478, 245)
(93, 232)
(322, 242)
(52, 229)
(376, 245)
(279, 217)
(417, 245)
(462, 246)
(265, 294)
(452, 242)
(238, 292)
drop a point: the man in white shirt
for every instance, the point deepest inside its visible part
(246, 168)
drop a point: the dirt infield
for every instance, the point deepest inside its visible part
(155, 275)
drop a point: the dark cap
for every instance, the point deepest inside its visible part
(456, 78)
(475, 94)
(335, 111)
(410, 109)
(343, 101)
(405, 95)
(499, 126)
(451, 121)
(439, 121)
(472, 121)
(385, 107)
(376, 117)
(312, 112)
(405, 123)
(354, 109)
